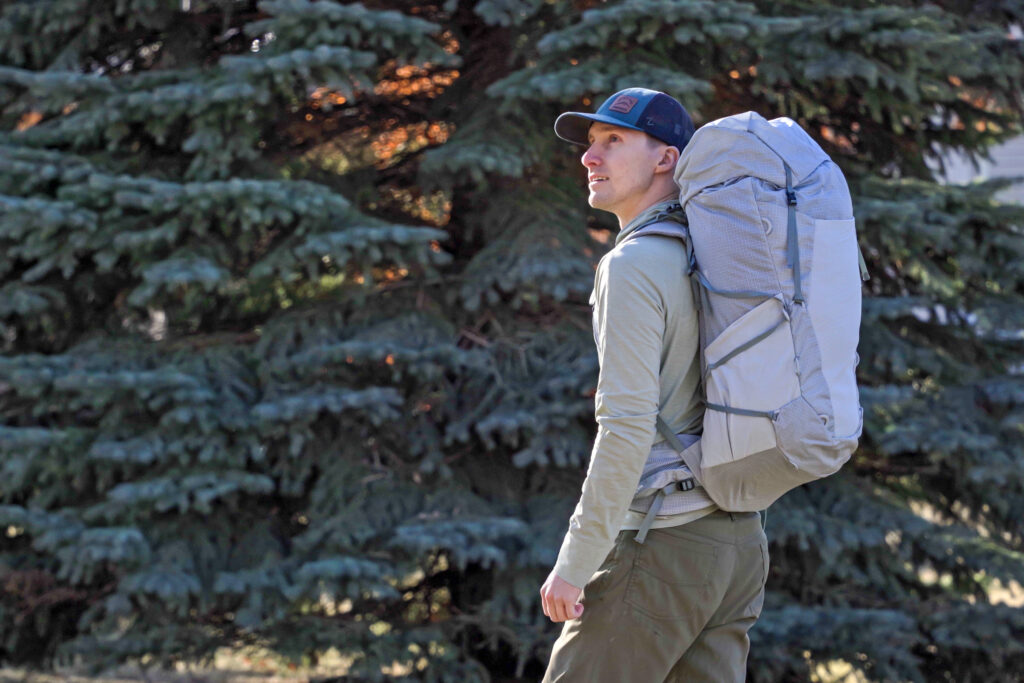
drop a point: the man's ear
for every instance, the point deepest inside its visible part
(667, 162)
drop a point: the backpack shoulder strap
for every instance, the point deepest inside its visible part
(670, 223)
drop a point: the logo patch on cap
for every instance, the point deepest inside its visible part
(623, 104)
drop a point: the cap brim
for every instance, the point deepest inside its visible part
(574, 126)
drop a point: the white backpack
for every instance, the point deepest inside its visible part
(776, 274)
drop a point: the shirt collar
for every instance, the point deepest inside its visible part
(645, 217)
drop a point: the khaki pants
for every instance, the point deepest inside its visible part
(674, 609)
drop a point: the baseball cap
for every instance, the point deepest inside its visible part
(650, 111)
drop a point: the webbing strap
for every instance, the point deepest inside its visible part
(645, 526)
(669, 435)
(743, 347)
(793, 243)
(863, 266)
(692, 462)
(673, 213)
(770, 414)
(661, 468)
(732, 294)
(659, 498)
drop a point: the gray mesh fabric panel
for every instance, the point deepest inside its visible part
(662, 457)
(729, 239)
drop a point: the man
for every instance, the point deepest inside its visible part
(676, 607)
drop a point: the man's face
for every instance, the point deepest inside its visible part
(620, 166)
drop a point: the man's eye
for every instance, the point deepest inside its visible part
(613, 137)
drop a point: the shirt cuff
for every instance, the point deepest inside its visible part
(577, 561)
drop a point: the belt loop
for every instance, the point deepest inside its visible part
(732, 517)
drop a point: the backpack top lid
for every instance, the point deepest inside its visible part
(743, 145)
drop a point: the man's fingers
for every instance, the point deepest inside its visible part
(556, 613)
(560, 610)
(557, 605)
(551, 607)
(564, 610)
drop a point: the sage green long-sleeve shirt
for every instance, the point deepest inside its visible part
(645, 327)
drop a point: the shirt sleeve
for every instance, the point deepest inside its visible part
(629, 326)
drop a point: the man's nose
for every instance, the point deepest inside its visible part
(589, 157)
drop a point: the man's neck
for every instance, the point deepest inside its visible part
(624, 219)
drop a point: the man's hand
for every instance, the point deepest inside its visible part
(559, 599)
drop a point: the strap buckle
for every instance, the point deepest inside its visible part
(687, 484)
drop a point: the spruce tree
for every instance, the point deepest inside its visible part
(295, 330)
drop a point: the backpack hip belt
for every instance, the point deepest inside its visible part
(667, 485)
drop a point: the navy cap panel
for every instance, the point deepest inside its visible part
(667, 120)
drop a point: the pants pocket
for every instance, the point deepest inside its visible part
(669, 574)
(757, 603)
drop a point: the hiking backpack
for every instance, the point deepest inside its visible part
(776, 275)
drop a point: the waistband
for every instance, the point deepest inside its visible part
(735, 516)
(722, 526)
